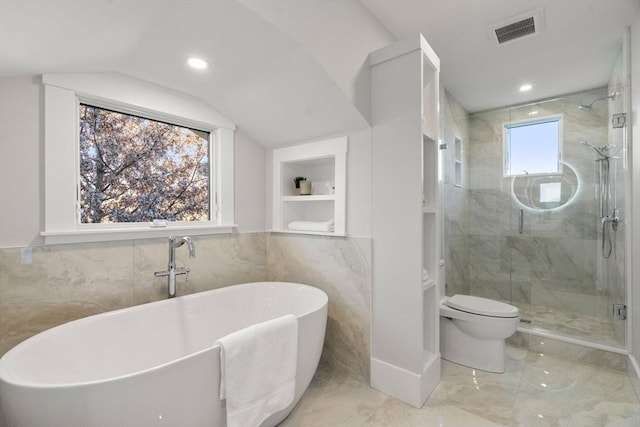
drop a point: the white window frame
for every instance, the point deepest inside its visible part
(62, 96)
(505, 143)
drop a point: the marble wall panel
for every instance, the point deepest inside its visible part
(457, 266)
(489, 212)
(67, 282)
(456, 217)
(221, 260)
(557, 253)
(499, 290)
(455, 197)
(62, 283)
(488, 259)
(570, 260)
(342, 268)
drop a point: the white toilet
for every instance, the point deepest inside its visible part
(473, 331)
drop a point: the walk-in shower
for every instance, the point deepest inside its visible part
(550, 242)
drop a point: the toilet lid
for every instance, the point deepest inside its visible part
(483, 306)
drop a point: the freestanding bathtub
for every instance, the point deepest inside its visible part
(154, 364)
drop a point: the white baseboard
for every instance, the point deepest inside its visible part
(405, 385)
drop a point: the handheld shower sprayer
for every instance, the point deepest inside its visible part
(608, 210)
(604, 151)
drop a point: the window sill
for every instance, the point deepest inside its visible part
(114, 234)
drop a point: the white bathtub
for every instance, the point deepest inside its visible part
(151, 365)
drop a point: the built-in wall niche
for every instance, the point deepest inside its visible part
(457, 162)
(323, 164)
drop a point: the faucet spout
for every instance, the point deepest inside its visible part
(192, 248)
(176, 243)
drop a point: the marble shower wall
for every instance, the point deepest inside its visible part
(455, 251)
(554, 263)
(67, 282)
(342, 268)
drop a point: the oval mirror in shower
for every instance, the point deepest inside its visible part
(546, 192)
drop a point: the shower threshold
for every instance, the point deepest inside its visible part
(577, 328)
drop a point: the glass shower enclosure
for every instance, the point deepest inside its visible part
(539, 218)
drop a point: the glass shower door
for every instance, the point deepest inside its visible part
(565, 243)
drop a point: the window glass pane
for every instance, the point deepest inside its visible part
(550, 192)
(533, 148)
(134, 169)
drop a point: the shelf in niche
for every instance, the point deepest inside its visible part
(428, 284)
(321, 162)
(310, 198)
(429, 210)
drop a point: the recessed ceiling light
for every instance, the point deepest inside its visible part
(197, 63)
(525, 87)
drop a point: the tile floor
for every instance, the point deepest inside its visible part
(536, 390)
(598, 329)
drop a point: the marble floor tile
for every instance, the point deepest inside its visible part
(598, 329)
(536, 390)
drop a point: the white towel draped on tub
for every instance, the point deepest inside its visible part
(258, 370)
(327, 226)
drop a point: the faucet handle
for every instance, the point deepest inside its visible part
(182, 270)
(161, 273)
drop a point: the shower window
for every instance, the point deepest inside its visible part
(532, 147)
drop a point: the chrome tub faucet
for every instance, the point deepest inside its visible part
(173, 271)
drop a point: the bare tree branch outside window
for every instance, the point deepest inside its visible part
(134, 169)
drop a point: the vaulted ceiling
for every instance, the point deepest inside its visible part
(290, 70)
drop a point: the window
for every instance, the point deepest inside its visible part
(532, 147)
(101, 186)
(136, 169)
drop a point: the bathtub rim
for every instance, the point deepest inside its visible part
(13, 380)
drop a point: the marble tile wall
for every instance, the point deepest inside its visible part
(455, 198)
(557, 254)
(67, 282)
(342, 268)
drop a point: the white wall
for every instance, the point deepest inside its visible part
(20, 162)
(340, 34)
(359, 184)
(249, 184)
(21, 168)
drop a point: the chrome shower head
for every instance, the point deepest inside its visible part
(584, 107)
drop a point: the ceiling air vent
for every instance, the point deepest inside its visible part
(517, 27)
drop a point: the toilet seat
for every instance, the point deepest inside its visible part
(481, 306)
